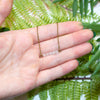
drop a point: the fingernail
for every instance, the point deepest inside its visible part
(94, 34)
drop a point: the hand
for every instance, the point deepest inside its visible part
(21, 68)
(5, 8)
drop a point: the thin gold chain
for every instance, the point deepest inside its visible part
(58, 39)
(39, 42)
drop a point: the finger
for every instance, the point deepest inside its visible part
(65, 55)
(53, 73)
(5, 8)
(65, 41)
(50, 31)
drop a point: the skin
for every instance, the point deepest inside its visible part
(21, 67)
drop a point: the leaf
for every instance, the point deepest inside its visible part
(43, 92)
(4, 29)
(93, 26)
(94, 58)
(75, 7)
(96, 48)
(91, 2)
(97, 70)
(86, 7)
(55, 1)
(81, 8)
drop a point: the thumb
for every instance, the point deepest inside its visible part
(5, 8)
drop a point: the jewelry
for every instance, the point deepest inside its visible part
(39, 42)
(58, 39)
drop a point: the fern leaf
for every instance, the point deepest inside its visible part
(43, 92)
(86, 7)
(77, 90)
(55, 1)
(91, 2)
(75, 7)
(92, 60)
(93, 26)
(81, 8)
(97, 70)
(52, 90)
(4, 29)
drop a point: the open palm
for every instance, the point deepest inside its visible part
(22, 68)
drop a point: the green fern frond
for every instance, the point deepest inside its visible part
(55, 1)
(75, 7)
(86, 6)
(81, 8)
(43, 92)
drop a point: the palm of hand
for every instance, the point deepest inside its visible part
(19, 62)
